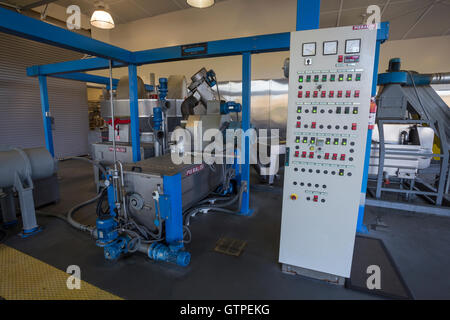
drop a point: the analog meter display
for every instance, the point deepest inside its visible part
(309, 49)
(353, 46)
(330, 47)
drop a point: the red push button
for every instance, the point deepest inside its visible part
(304, 154)
(299, 124)
(348, 94)
(313, 125)
(341, 59)
(316, 199)
(354, 125)
(327, 156)
(342, 157)
(335, 156)
(323, 94)
(339, 94)
(307, 94)
(311, 155)
(297, 153)
(300, 94)
(316, 93)
(331, 94)
(357, 93)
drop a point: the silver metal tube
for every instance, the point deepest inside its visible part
(112, 113)
(115, 174)
(440, 78)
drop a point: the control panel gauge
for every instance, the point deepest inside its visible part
(309, 49)
(353, 46)
(330, 47)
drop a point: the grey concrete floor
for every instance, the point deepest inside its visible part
(419, 245)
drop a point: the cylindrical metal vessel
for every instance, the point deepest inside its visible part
(34, 162)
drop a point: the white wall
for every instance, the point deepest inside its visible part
(237, 18)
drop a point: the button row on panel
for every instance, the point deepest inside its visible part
(341, 172)
(313, 125)
(337, 110)
(328, 94)
(332, 78)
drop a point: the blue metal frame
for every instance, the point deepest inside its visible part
(33, 29)
(246, 112)
(174, 220)
(308, 17)
(134, 112)
(45, 115)
(308, 14)
(382, 36)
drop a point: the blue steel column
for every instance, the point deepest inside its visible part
(134, 113)
(174, 222)
(360, 227)
(45, 109)
(246, 112)
(308, 14)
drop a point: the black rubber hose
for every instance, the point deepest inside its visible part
(99, 210)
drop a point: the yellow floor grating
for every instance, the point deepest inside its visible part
(23, 277)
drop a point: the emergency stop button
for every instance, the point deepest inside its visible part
(294, 196)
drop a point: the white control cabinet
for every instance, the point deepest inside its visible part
(330, 83)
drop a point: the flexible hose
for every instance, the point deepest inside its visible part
(218, 207)
(95, 163)
(78, 225)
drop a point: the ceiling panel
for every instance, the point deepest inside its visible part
(402, 14)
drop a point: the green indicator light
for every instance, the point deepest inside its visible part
(300, 79)
(305, 140)
(297, 141)
(341, 173)
(314, 110)
(299, 110)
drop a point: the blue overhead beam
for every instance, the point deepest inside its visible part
(86, 77)
(89, 64)
(257, 44)
(20, 25)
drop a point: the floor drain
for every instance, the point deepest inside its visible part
(232, 247)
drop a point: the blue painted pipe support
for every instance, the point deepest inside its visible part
(382, 35)
(46, 115)
(308, 14)
(246, 112)
(134, 113)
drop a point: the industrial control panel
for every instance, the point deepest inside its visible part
(330, 84)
